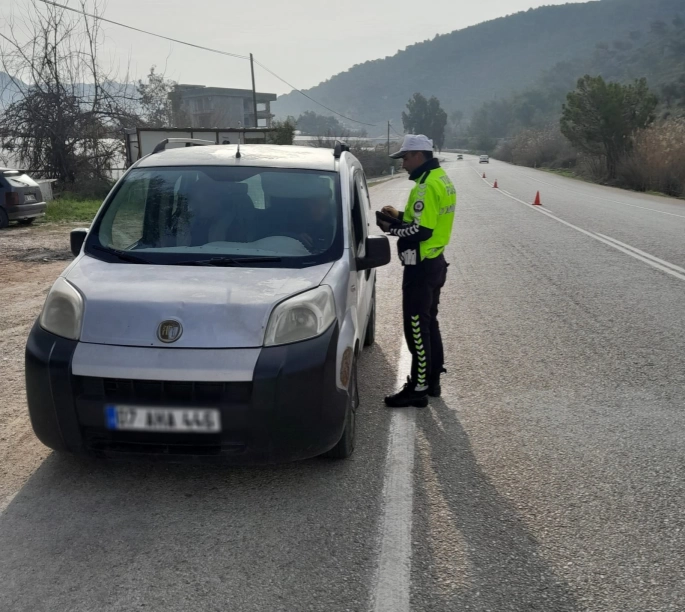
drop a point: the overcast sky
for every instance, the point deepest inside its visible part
(304, 41)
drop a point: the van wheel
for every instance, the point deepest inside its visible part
(370, 336)
(345, 447)
(4, 219)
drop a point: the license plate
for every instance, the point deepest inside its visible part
(178, 420)
(29, 198)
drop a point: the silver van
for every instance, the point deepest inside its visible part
(215, 309)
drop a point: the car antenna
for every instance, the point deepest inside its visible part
(237, 154)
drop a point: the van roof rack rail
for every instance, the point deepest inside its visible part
(189, 142)
(340, 147)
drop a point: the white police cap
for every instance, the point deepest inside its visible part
(414, 142)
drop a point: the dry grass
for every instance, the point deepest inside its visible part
(538, 148)
(657, 161)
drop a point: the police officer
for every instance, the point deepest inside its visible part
(424, 230)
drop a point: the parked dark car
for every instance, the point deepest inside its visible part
(20, 198)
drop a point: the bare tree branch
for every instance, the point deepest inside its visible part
(66, 119)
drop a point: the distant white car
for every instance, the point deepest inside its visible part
(484, 159)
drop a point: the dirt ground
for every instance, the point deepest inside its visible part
(30, 261)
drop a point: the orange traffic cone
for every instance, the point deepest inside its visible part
(495, 185)
(537, 200)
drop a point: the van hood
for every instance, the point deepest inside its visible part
(217, 307)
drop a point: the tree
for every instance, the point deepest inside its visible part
(454, 132)
(281, 132)
(154, 99)
(456, 117)
(313, 124)
(670, 92)
(493, 121)
(601, 118)
(481, 131)
(65, 120)
(426, 117)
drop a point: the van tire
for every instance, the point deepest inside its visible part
(4, 219)
(370, 336)
(345, 446)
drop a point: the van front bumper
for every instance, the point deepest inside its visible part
(290, 410)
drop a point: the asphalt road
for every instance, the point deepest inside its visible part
(550, 476)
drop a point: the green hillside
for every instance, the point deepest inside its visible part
(468, 67)
(656, 53)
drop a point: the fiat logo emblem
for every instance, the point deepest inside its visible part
(169, 331)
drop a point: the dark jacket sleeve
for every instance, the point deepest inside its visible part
(411, 232)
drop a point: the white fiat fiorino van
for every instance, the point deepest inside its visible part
(216, 309)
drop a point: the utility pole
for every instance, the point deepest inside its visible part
(392, 166)
(388, 138)
(254, 92)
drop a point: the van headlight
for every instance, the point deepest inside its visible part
(301, 317)
(63, 311)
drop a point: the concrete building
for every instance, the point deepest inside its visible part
(199, 106)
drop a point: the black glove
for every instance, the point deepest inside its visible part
(382, 219)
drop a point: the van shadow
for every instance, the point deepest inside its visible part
(500, 565)
(115, 535)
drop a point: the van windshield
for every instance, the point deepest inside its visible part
(172, 215)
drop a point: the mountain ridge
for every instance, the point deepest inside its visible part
(470, 66)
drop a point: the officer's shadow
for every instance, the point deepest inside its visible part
(493, 562)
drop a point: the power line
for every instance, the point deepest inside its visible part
(182, 42)
(312, 99)
(123, 25)
(396, 132)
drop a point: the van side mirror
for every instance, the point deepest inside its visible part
(76, 240)
(377, 253)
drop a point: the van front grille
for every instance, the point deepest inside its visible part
(169, 392)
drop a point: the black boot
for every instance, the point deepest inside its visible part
(434, 389)
(409, 396)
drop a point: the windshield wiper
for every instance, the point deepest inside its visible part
(226, 262)
(122, 255)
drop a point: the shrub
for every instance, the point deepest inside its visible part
(505, 151)
(592, 167)
(281, 133)
(374, 158)
(657, 161)
(536, 148)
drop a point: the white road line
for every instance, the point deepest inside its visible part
(663, 262)
(594, 197)
(4, 504)
(394, 566)
(651, 260)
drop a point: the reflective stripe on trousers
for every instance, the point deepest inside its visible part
(421, 287)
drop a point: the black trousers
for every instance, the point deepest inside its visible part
(421, 286)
